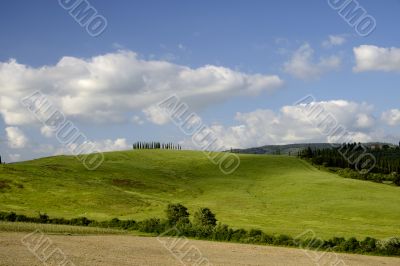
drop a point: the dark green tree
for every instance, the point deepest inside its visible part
(204, 217)
(176, 212)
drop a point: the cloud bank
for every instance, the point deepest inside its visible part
(105, 87)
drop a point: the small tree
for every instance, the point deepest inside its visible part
(176, 213)
(204, 217)
(396, 179)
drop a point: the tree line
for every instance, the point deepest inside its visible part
(141, 145)
(387, 158)
(387, 165)
(204, 225)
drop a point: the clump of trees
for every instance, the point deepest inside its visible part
(140, 145)
(387, 167)
(204, 226)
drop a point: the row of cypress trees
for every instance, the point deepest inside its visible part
(140, 145)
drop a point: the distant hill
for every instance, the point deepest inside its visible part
(293, 149)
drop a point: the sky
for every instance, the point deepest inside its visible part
(240, 66)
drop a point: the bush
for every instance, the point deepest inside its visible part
(204, 217)
(185, 227)
(176, 212)
(204, 232)
(350, 245)
(11, 217)
(284, 240)
(222, 233)
(368, 245)
(238, 235)
(389, 246)
(43, 218)
(151, 225)
(312, 243)
(396, 179)
(255, 236)
(267, 239)
(82, 221)
(21, 218)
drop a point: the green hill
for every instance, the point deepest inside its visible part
(278, 194)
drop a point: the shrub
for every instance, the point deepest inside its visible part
(82, 221)
(185, 227)
(176, 212)
(350, 245)
(368, 244)
(204, 217)
(284, 240)
(255, 236)
(222, 232)
(43, 218)
(204, 232)
(335, 242)
(151, 225)
(267, 239)
(238, 235)
(390, 246)
(396, 179)
(21, 218)
(11, 217)
(312, 243)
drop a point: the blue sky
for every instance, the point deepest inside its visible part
(307, 46)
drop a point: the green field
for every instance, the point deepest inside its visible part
(278, 194)
(57, 229)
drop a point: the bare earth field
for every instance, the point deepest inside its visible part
(133, 250)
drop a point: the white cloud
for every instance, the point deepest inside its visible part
(100, 146)
(47, 131)
(137, 120)
(391, 117)
(156, 115)
(292, 125)
(182, 47)
(334, 40)
(109, 145)
(14, 157)
(302, 64)
(105, 88)
(16, 138)
(364, 120)
(44, 149)
(374, 58)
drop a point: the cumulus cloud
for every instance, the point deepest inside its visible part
(104, 88)
(374, 58)
(302, 64)
(16, 138)
(391, 117)
(98, 146)
(47, 131)
(155, 115)
(294, 124)
(14, 157)
(137, 120)
(334, 40)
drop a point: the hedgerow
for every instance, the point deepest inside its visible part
(205, 227)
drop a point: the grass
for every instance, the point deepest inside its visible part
(278, 194)
(56, 229)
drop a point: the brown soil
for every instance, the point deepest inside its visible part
(133, 250)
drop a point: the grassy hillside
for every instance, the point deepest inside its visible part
(278, 194)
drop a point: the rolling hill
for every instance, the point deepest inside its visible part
(278, 194)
